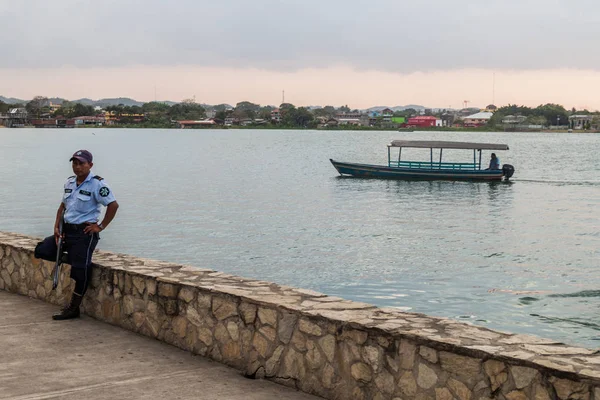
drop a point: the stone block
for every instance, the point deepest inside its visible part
(407, 351)
(567, 389)
(272, 364)
(467, 368)
(361, 372)
(151, 286)
(187, 294)
(179, 325)
(267, 316)
(248, 312)
(426, 377)
(516, 395)
(234, 331)
(372, 356)
(268, 333)
(293, 366)
(298, 341)
(204, 301)
(139, 284)
(428, 354)
(231, 352)
(168, 290)
(223, 308)
(260, 344)
(327, 344)
(523, 376)
(310, 328)
(206, 336)
(407, 384)
(385, 382)
(286, 326)
(359, 337)
(460, 390)
(221, 334)
(328, 377)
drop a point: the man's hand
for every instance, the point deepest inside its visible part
(92, 228)
(57, 234)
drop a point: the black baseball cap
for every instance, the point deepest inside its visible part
(83, 156)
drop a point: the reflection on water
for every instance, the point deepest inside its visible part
(517, 256)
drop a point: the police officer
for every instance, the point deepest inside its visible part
(83, 197)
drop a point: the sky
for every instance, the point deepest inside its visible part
(436, 53)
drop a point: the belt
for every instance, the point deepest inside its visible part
(76, 226)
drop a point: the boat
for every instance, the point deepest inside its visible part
(398, 168)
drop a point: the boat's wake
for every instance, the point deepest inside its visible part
(559, 183)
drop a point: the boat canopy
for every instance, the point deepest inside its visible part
(432, 144)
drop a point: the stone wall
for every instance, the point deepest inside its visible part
(334, 348)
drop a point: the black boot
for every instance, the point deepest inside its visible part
(71, 311)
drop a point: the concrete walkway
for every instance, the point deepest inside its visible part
(45, 359)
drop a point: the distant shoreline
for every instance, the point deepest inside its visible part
(339, 128)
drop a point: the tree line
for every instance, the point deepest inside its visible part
(164, 115)
(545, 115)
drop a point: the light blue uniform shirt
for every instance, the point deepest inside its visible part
(83, 203)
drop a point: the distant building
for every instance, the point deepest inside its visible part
(53, 123)
(479, 119)
(276, 115)
(16, 118)
(421, 122)
(513, 119)
(54, 107)
(448, 119)
(230, 121)
(349, 115)
(194, 124)
(90, 120)
(580, 121)
(112, 117)
(387, 115)
(352, 118)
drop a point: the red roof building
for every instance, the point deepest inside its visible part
(421, 122)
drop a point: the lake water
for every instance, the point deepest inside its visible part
(267, 204)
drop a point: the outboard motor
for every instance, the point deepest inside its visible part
(507, 171)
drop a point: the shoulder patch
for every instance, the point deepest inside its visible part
(98, 177)
(104, 191)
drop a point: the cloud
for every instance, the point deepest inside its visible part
(285, 35)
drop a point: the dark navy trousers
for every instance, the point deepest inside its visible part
(79, 248)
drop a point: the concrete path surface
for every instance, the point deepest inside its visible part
(87, 359)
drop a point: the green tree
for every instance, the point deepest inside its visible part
(327, 111)
(246, 109)
(221, 115)
(155, 107)
(511, 109)
(302, 117)
(80, 110)
(187, 110)
(555, 114)
(37, 106)
(4, 107)
(407, 113)
(265, 113)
